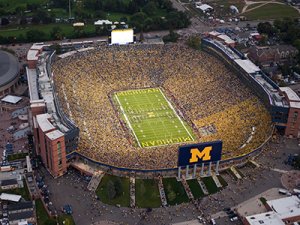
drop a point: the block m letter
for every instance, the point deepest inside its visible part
(197, 154)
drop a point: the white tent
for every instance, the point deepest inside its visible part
(78, 24)
(205, 7)
(102, 22)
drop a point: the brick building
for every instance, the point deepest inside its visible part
(271, 54)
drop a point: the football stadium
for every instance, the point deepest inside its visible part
(135, 105)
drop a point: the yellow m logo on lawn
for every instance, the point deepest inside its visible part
(197, 154)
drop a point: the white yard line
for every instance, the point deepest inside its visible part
(176, 115)
(127, 120)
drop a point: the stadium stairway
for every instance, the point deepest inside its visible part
(95, 181)
(235, 173)
(202, 185)
(254, 163)
(132, 192)
(162, 193)
(187, 188)
(216, 180)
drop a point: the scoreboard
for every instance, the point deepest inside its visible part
(122, 36)
(199, 153)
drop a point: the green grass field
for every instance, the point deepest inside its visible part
(41, 214)
(195, 188)
(147, 193)
(151, 118)
(272, 11)
(66, 220)
(175, 192)
(102, 191)
(210, 185)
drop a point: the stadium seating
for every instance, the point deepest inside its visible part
(203, 90)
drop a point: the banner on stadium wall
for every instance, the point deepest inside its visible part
(199, 153)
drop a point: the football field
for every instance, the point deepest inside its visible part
(151, 118)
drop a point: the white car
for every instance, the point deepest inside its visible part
(234, 218)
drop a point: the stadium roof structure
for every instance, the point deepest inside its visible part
(247, 65)
(268, 218)
(9, 68)
(294, 99)
(226, 39)
(10, 197)
(32, 84)
(32, 54)
(11, 99)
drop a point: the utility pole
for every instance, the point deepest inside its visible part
(70, 9)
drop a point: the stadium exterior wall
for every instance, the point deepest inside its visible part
(72, 135)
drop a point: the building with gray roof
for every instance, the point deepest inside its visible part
(9, 72)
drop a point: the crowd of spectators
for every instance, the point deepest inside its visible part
(204, 91)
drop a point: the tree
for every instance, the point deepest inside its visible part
(266, 28)
(23, 20)
(19, 10)
(138, 20)
(194, 42)
(35, 35)
(171, 37)
(4, 21)
(150, 8)
(56, 33)
(32, 6)
(35, 20)
(177, 19)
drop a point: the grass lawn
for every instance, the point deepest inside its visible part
(254, 5)
(17, 156)
(147, 194)
(227, 3)
(41, 213)
(195, 188)
(67, 29)
(66, 220)
(272, 11)
(175, 192)
(210, 185)
(102, 191)
(151, 117)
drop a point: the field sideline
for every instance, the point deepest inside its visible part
(152, 118)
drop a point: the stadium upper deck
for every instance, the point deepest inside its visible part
(280, 102)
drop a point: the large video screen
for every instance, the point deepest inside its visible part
(199, 153)
(122, 36)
